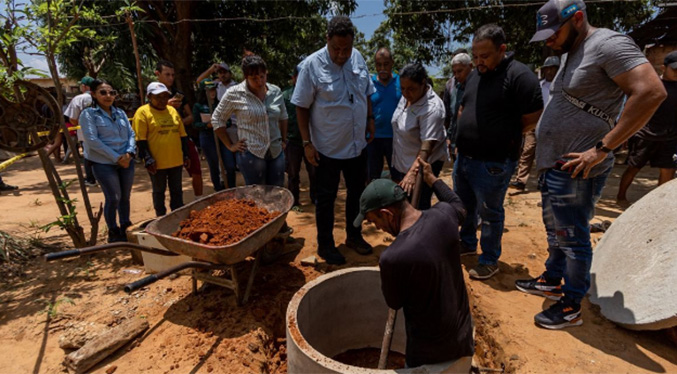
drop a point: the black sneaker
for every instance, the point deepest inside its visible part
(519, 186)
(483, 271)
(331, 255)
(540, 286)
(359, 245)
(465, 251)
(562, 314)
(8, 187)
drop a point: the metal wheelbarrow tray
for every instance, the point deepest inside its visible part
(271, 198)
(206, 257)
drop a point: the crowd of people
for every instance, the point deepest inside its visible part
(494, 117)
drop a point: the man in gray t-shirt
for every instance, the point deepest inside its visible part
(575, 137)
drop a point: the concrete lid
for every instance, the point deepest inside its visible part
(634, 266)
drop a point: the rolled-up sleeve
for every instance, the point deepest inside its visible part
(224, 110)
(304, 92)
(371, 89)
(91, 136)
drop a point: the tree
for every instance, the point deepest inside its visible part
(429, 26)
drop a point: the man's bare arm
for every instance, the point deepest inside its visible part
(529, 121)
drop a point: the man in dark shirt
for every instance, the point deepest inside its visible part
(294, 153)
(421, 270)
(502, 100)
(657, 141)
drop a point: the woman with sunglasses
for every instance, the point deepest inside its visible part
(109, 144)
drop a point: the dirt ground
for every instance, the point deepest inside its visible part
(209, 333)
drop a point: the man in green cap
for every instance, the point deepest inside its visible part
(421, 270)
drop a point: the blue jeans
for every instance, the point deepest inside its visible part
(160, 180)
(294, 155)
(261, 171)
(116, 184)
(376, 150)
(208, 144)
(482, 185)
(568, 207)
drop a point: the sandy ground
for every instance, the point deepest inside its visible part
(209, 333)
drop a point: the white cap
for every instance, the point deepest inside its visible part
(156, 88)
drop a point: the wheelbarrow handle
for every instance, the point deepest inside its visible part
(60, 255)
(99, 248)
(143, 282)
(131, 287)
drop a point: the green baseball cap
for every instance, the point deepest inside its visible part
(207, 84)
(87, 81)
(378, 194)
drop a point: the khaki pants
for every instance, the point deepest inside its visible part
(527, 157)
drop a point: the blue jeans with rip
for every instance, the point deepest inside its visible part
(568, 206)
(208, 144)
(482, 185)
(116, 185)
(257, 170)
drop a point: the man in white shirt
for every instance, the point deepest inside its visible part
(76, 106)
(334, 114)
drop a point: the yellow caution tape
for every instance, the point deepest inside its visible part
(45, 133)
(12, 160)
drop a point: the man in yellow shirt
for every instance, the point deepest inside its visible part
(162, 142)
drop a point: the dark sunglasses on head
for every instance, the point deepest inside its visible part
(108, 93)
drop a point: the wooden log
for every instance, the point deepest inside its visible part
(102, 346)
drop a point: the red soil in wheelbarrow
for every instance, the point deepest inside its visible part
(224, 222)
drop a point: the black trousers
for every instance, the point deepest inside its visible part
(328, 176)
(295, 154)
(160, 179)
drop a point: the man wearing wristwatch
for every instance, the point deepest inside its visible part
(334, 115)
(576, 135)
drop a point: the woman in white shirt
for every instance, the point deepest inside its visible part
(419, 117)
(261, 124)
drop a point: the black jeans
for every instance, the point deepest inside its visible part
(160, 179)
(295, 155)
(328, 175)
(376, 151)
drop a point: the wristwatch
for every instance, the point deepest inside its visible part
(601, 147)
(306, 142)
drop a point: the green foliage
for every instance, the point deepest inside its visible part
(431, 27)
(52, 308)
(68, 220)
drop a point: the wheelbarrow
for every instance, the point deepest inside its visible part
(206, 258)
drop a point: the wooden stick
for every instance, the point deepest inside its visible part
(104, 345)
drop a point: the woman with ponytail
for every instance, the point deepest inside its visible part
(109, 144)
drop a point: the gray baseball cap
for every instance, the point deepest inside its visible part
(552, 16)
(670, 60)
(551, 61)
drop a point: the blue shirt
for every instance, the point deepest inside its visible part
(106, 137)
(337, 98)
(383, 104)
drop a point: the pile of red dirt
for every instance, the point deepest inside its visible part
(224, 222)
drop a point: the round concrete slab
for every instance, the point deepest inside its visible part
(634, 266)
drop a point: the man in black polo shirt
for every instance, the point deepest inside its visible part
(502, 100)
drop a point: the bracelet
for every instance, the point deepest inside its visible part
(306, 143)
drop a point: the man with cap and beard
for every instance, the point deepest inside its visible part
(576, 135)
(426, 281)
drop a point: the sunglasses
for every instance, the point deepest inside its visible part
(108, 93)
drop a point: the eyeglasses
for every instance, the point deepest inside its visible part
(108, 93)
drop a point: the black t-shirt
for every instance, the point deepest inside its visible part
(663, 125)
(490, 127)
(421, 273)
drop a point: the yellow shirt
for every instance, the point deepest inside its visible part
(163, 130)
